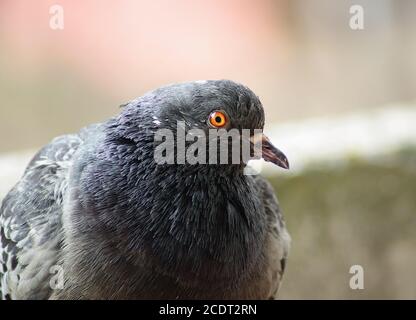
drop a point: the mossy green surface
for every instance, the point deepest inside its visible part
(363, 212)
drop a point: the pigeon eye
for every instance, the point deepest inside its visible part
(217, 119)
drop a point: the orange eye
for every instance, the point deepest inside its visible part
(217, 119)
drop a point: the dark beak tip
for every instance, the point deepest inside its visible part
(282, 162)
(286, 165)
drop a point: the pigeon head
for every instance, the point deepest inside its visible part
(203, 106)
(195, 103)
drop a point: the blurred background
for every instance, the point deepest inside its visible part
(340, 102)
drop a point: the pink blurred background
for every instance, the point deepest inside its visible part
(300, 57)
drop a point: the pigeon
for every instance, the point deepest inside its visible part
(95, 216)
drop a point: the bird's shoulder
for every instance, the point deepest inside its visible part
(30, 221)
(269, 200)
(278, 244)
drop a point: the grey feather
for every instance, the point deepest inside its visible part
(30, 222)
(121, 226)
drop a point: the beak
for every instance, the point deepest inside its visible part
(272, 154)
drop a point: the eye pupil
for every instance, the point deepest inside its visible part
(218, 119)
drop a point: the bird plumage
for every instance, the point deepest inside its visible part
(30, 222)
(122, 226)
